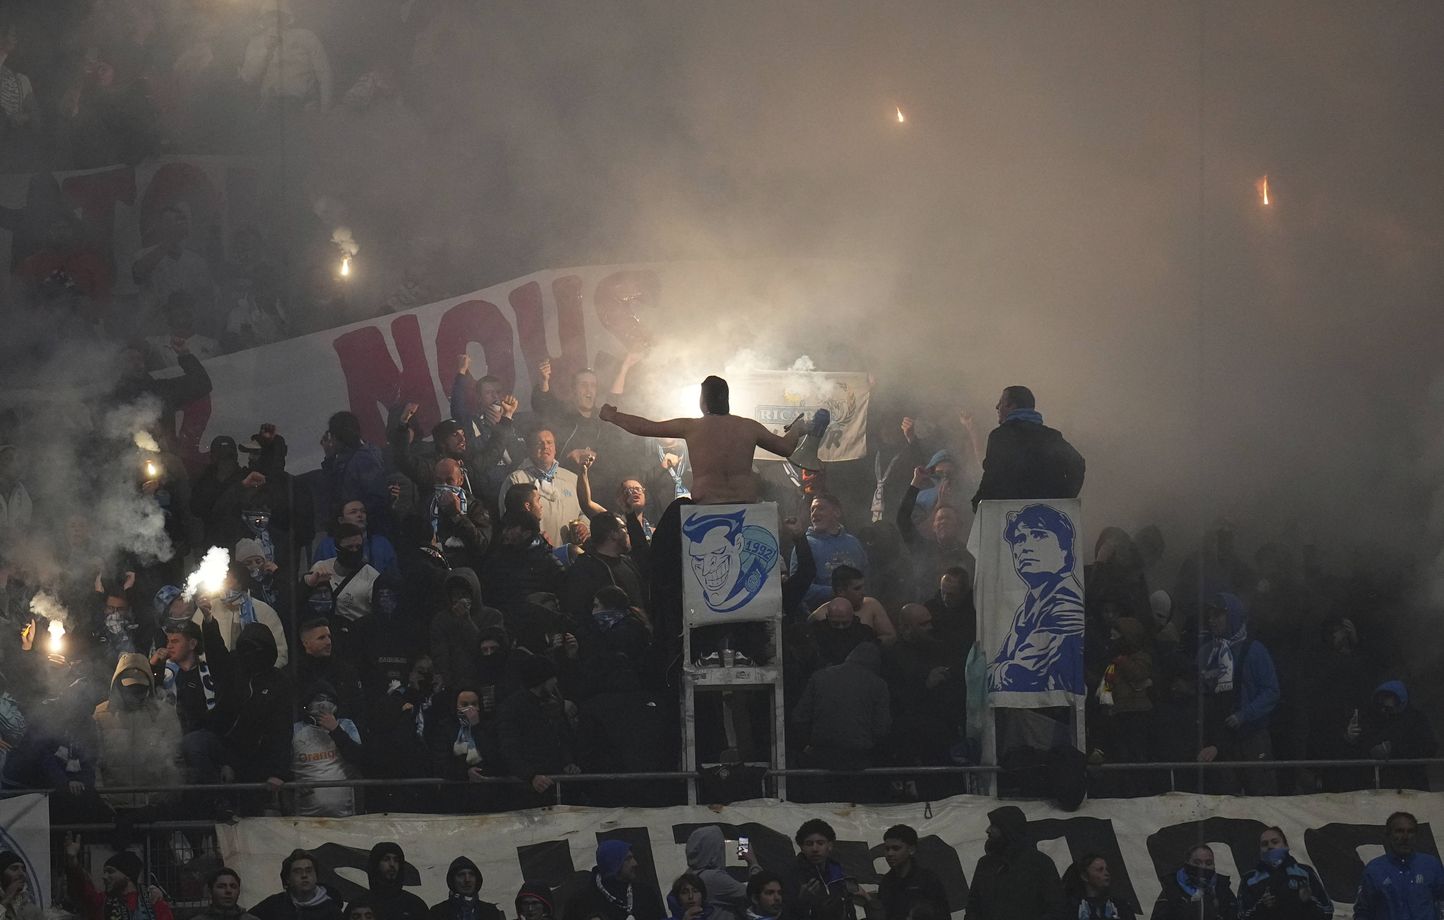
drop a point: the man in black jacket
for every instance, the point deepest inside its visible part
(1027, 459)
(304, 897)
(907, 884)
(260, 739)
(613, 892)
(463, 881)
(1012, 880)
(606, 562)
(386, 874)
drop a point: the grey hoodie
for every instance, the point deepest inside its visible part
(706, 857)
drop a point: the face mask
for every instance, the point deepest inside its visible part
(350, 558)
(116, 623)
(134, 696)
(233, 596)
(1276, 856)
(1198, 874)
(255, 572)
(257, 522)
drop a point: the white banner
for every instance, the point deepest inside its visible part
(1142, 839)
(775, 398)
(729, 557)
(25, 831)
(1028, 591)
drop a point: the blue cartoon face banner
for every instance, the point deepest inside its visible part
(1029, 594)
(730, 562)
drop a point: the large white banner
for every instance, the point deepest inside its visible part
(25, 831)
(1142, 839)
(730, 555)
(1028, 591)
(775, 398)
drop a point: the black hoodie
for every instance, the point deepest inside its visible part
(1015, 882)
(388, 898)
(460, 907)
(264, 706)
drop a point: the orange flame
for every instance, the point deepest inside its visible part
(900, 116)
(1261, 185)
(345, 266)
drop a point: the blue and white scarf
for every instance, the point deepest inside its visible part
(172, 677)
(465, 745)
(247, 612)
(443, 493)
(12, 725)
(262, 534)
(1086, 911)
(1025, 415)
(679, 488)
(547, 475)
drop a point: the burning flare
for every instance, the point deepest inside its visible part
(57, 637)
(346, 267)
(1261, 185)
(210, 577)
(900, 116)
(151, 470)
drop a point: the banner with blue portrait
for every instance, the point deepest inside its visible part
(730, 565)
(1028, 590)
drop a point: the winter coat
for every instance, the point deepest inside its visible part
(1029, 460)
(899, 895)
(456, 640)
(1180, 899)
(706, 858)
(1255, 694)
(1401, 888)
(359, 473)
(1284, 880)
(141, 746)
(847, 705)
(279, 906)
(1405, 734)
(827, 899)
(92, 901)
(533, 740)
(457, 907)
(592, 572)
(1018, 883)
(589, 901)
(390, 900)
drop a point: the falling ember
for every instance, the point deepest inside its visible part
(346, 267)
(900, 116)
(1261, 185)
(57, 637)
(210, 577)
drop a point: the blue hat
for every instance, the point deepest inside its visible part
(163, 598)
(610, 856)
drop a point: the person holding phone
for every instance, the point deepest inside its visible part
(1280, 887)
(707, 859)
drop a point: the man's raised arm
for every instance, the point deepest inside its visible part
(780, 444)
(645, 427)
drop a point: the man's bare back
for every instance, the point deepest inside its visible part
(719, 447)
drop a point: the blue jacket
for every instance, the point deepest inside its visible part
(1284, 880)
(376, 550)
(1257, 685)
(1411, 888)
(830, 551)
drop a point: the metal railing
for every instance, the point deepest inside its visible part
(560, 780)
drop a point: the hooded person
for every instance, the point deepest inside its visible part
(463, 881)
(304, 896)
(613, 891)
(122, 897)
(139, 735)
(688, 899)
(1391, 729)
(1012, 880)
(260, 738)
(534, 901)
(16, 900)
(386, 875)
(534, 733)
(845, 713)
(1239, 691)
(456, 629)
(706, 858)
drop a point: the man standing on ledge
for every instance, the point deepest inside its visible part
(720, 447)
(1026, 459)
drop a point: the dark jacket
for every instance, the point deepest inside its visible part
(803, 901)
(1029, 460)
(459, 907)
(516, 568)
(456, 640)
(279, 906)
(534, 740)
(847, 705)
(390, 900)
(1406, 734)
(589, 901)
(1017, 883)
(1284, 880)
(359, 473)
(1215, 901)
(900, 894)
(592, 572)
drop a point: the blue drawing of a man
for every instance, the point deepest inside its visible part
(715, 547)
(1044, 649)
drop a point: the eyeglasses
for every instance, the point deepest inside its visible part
(110, 608)
(633, 490)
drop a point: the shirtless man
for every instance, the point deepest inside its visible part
(720, 446)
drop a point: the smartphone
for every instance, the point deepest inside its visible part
(744, 847)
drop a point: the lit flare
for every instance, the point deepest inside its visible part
(1261, 185)
(901, 118)
(346, 267)
(209, 579)
(57, 637)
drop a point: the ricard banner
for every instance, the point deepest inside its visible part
(1143, 839)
